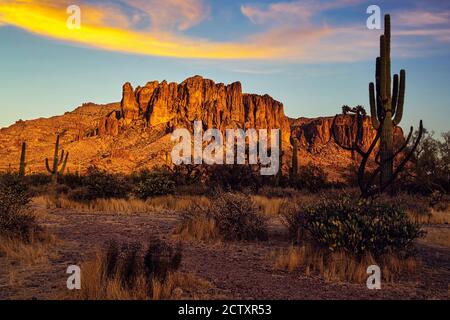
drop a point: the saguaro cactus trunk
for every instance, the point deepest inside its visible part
(386, 106)
(22, 160)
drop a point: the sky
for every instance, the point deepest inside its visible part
(312, 55)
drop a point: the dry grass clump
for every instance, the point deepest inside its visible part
(437, 237)
(32, 252)
(340, 265)
(431, 217)
(197, 227)
(269, 207)
(125, 272)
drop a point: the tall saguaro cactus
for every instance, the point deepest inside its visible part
(57, 162)
(386, 110)
(386, 106)
(22, 160)
(294, 169)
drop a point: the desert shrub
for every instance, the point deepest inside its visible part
(128, 261)
(311, 178)
(430, 171)
(277, 192)
(16, 221)
(101, 184)
(228, 216)
(237, 217)
(127, 271)
(153, 183)
(161, 259)
(71, 180)
(233, 177)
(37, 179)
(353, 225)
(124, 272)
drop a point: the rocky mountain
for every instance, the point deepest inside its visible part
(135, 133)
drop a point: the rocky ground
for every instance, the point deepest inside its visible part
(236, 270)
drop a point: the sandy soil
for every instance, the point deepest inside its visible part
(236, 270)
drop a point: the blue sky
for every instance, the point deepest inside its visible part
(314, 56)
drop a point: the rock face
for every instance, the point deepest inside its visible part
(172, 105)
(129, 106)
(314, 134)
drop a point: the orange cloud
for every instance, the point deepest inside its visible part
(48, 18)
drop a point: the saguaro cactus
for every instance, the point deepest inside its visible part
(57, 162)
(22, 160)
(294, 169)
(386, 106)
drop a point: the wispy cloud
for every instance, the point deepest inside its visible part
(287, 12)
(423, 18)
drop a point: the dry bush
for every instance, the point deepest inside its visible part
(125, 273)
(340, 265)
(237, 217)
(16, 218)
(229, 216)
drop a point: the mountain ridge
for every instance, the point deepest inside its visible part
(135, 133)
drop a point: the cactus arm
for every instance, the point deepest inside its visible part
(373, 106)
(61, 158)
(387, 55)
(48, 166)
(378, 89)
(383, 86)
(401, 98)
(394, 94)
(63, 168)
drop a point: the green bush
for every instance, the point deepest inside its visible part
(101, 184)
(237, 217)
(15, 218)
(153, 183)
(311, 178)
(357, 226)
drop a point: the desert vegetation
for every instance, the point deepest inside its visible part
(125, 271)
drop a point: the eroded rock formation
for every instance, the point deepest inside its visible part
(173, 105)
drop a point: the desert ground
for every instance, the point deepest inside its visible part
(231, 270)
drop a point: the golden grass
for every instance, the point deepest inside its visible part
(437, 237)
(127, 206)
(30, 254)
(269, 207)
(340, 266)
(435, 217)
(198, 228)
(178, 285)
